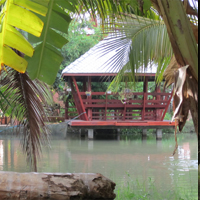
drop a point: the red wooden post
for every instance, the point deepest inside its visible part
(145, 90)
(158, 111)
(84, 90)
(165, 110)
(124, 113)
(89, 97)
(84, 85)
(80, 99)
(66, 109)
(75, 97)
(106, 107)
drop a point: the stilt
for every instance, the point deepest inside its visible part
(158, 134)
(66, 127)
(118, 134)
(144, 134)
(90, 134)
(81, 133)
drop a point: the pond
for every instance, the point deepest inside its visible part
(126, 159)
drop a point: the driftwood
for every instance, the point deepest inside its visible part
(14, 186)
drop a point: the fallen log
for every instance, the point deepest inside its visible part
(76, 186)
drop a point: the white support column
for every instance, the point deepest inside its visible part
(90, 134)
(158, 134)
(118, 134)
(65, 129)
(144, 135)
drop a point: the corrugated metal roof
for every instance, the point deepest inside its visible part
(97, 61)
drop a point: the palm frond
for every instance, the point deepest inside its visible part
(107, 10)
(170, 71)
(139, 43)
(27, 99)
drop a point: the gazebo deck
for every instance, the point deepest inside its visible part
(120, 124)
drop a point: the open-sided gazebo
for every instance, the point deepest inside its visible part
(103, 109)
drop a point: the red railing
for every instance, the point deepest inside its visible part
(142, 106)
(4, 120)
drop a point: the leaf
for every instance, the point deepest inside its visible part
(31, 5)
(47, 58)
(179, 83)
(15, 39)
(48, 63)
(169, 73)
(11, 59)
(147, 5)
(16, 14)
(66, 4)
(23, 19)
(139, 43)
(27, 100)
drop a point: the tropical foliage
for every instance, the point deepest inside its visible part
(44, 28)
(36, 56)
(26, 101)
(79, 43)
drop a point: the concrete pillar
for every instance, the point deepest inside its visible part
(144, 132)
(158, 134)
(90, 134)
(65, 129)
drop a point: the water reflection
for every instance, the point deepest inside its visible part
(114, 159)
(184, 151)
(1, 154)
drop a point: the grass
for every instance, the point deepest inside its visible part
(135, 190)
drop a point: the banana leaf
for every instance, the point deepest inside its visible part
(15, 15)
(47, 58)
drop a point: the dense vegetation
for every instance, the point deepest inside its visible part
(79, 43)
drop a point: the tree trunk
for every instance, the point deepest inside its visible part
(14, 186)
(180, 33)
(194, 113)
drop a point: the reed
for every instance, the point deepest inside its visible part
(146, 190)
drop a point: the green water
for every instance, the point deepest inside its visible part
(128, 158)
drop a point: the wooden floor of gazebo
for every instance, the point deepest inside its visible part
(120, 124)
